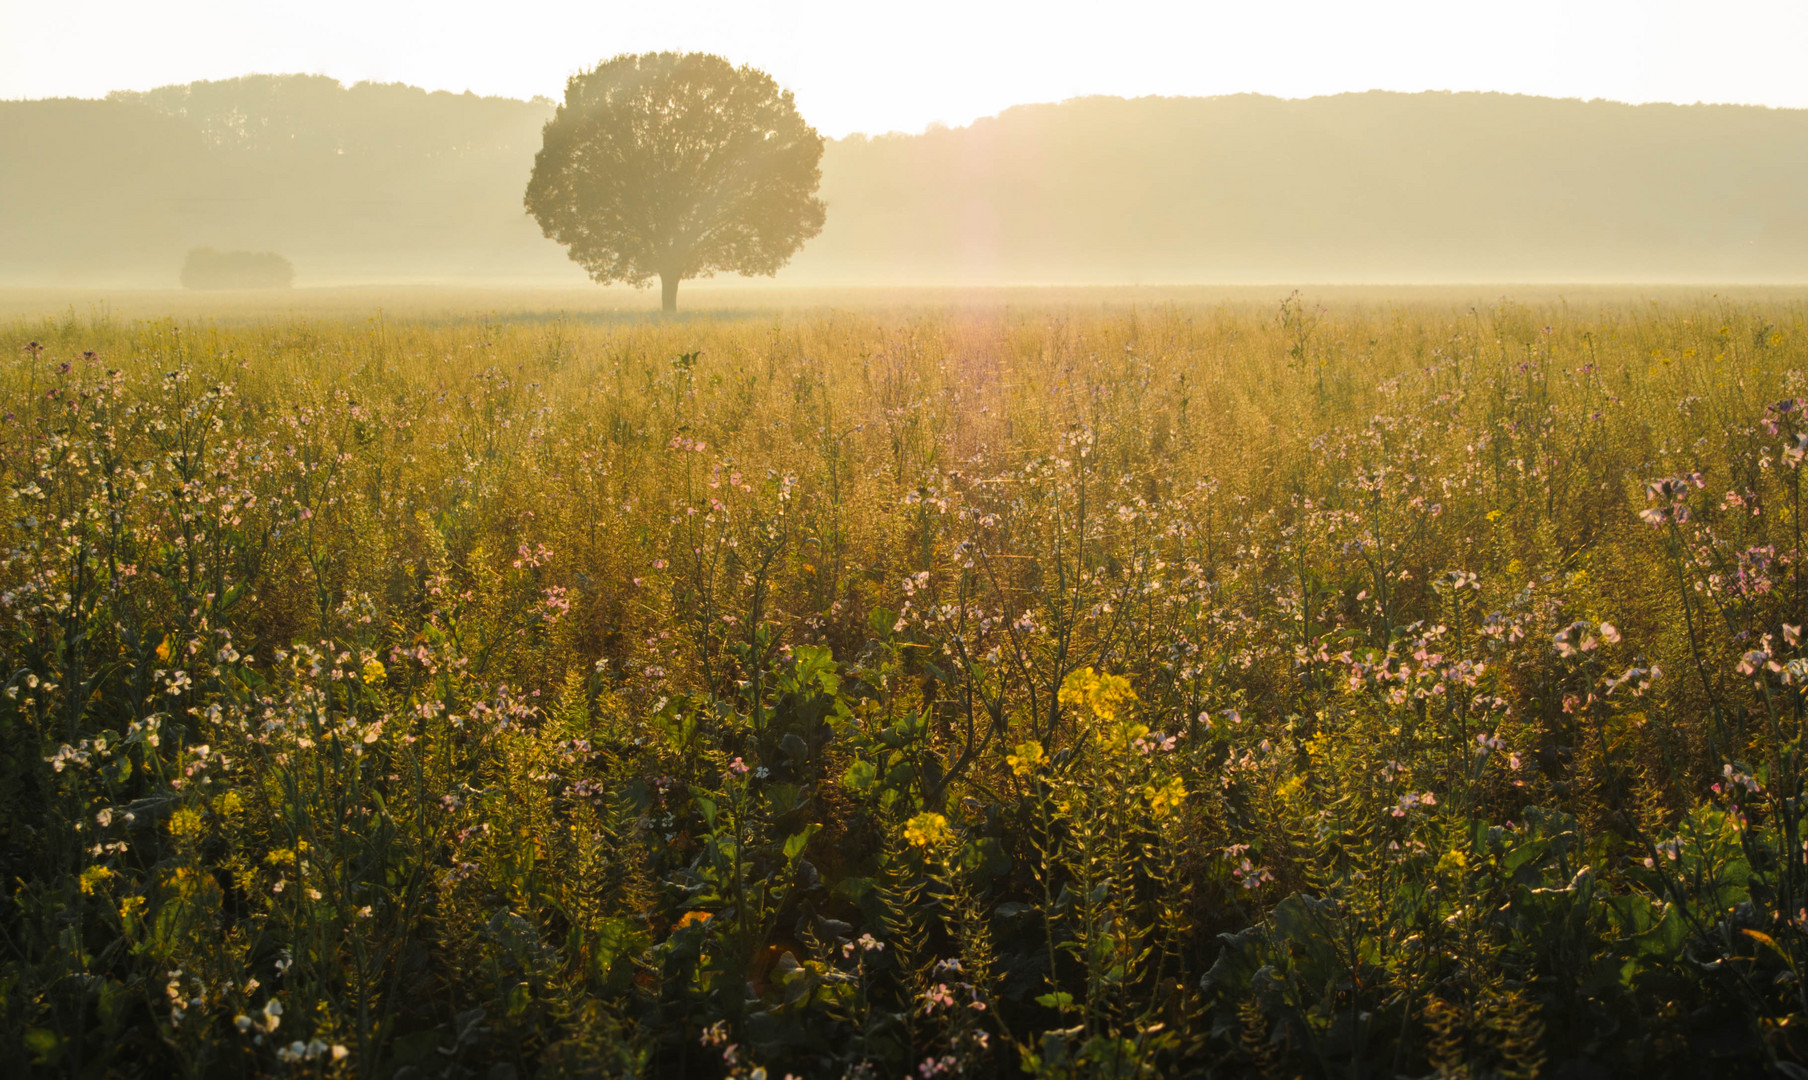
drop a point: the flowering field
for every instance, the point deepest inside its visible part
(1241, 691)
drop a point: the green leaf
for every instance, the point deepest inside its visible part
(794, 845)
(706, 805)
(1666, 938)
(881, 621)
(854, 888)
(860, 777)
(1525, 853)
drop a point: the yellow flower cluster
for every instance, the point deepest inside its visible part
(374, 671)
(1165, 799)
(1025, 759)
(93, 877)
(925, 829)
(1104, 696)
(185, 822)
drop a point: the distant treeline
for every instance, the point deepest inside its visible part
(389, 182)
(370, 182)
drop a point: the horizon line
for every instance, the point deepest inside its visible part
(938, 126)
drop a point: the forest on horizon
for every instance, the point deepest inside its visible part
(382, 183)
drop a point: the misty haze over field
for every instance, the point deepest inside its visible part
(388, 183)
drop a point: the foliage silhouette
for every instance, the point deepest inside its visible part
(677, 166)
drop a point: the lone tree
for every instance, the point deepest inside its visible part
(676, 166)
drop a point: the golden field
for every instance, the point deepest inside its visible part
(1088, 683)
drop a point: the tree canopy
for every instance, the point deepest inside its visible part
(676, 166)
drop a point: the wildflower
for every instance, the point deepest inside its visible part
(937, 997)
(926, 829)
(93, 877)
(1739, 777)
(185, 822)
(1250, 876)
(1670, 499)
(373, 671)
(1102, 695)
(1669, 849)
(1025, 758)
(1165, 799)
(1411, 800)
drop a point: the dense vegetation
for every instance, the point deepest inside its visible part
(1368, 692)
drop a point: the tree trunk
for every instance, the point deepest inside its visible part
(668, 293)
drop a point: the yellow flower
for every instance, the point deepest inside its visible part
(93, 877)
(1118, 737)
(1165, 799)
(1101, 694)
(374, 672)
(1025, 759)
(185, 822)
(926, 829)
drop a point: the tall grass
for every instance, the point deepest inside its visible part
(1380, 690)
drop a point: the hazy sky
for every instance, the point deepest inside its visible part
(862, 66)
